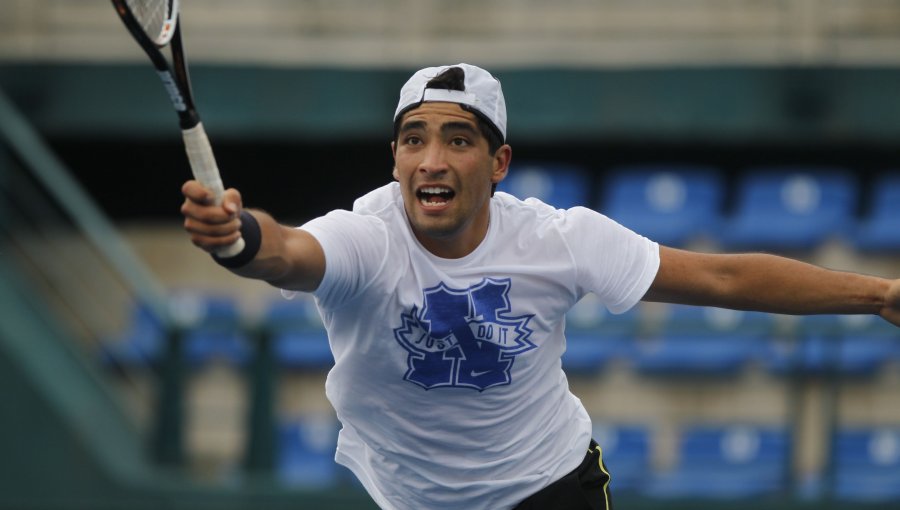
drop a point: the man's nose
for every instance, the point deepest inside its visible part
(433, 159)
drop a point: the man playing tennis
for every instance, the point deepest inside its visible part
(445, 306)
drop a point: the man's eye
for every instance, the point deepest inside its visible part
(412, 140)
(459, 142)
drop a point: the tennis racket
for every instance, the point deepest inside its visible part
(154, 25)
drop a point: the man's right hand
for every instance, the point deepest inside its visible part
(211, 226)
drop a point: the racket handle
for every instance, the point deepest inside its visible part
(205, 170)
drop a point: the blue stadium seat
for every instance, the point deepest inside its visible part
(867, 464)
(879, 230)
(856, 345)
(810, 348)
(703, 341)
(212, 329)
(562, 186)
(867, 343)
(790, 208)
(626, 452)
(141, 345)
(727, 463)
(594, 336)
(299, 339)
(670, 204)
(306, 447)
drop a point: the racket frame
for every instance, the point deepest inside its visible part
(177, 82)
(175, 78)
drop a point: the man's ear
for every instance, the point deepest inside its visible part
(502, 158)
(394, 155)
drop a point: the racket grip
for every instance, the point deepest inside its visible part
(205, 170)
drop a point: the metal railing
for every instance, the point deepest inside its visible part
(55, 235)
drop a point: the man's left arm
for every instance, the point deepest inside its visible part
(770, 283)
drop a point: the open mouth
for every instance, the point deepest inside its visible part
(432, 196)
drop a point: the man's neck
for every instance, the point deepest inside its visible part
(457, 245)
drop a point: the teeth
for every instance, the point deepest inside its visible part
(435, 190)
(434, 196)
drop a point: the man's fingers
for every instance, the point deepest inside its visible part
(196, 192)
(231, 201)
(211, 214)
(212, 236)
(199, 204)
(211, 244)
(211, 226)
(206, 228)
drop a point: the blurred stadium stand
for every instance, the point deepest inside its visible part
(562, 186)
(627, 454)
(703, 341)
(671, 204)
(141, 344)
(306, 452)
(519, 33)
(726, 463)
(853, 345)
(595, 337)
(879, 229)
(791, 209)
(211, 328)
(297, 334)
(867, 464)
(114, 403)
(73, 434)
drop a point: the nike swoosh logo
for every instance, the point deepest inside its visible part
(473, 373)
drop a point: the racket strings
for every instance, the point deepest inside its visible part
(157, 18)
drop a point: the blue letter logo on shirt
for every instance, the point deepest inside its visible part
(463, 337)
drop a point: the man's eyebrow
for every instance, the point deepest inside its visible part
(458, 126)
(446, 127)
(412, 124)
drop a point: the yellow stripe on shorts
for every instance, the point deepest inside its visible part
(608, 477)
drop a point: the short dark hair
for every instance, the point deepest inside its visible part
(454, 78)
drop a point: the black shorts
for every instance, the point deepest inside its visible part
(585, 488)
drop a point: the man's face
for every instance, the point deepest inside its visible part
(445, 171)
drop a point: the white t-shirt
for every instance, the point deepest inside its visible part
(447, 376)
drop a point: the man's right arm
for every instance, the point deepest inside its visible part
(288, 258)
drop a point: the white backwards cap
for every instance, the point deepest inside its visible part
(482, 93)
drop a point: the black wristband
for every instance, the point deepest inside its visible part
(252, 235)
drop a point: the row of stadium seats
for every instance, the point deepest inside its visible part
(669, 339)
(715, 341)
(713, 461)
(214, 329)
(777, 208)
(740, 461)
